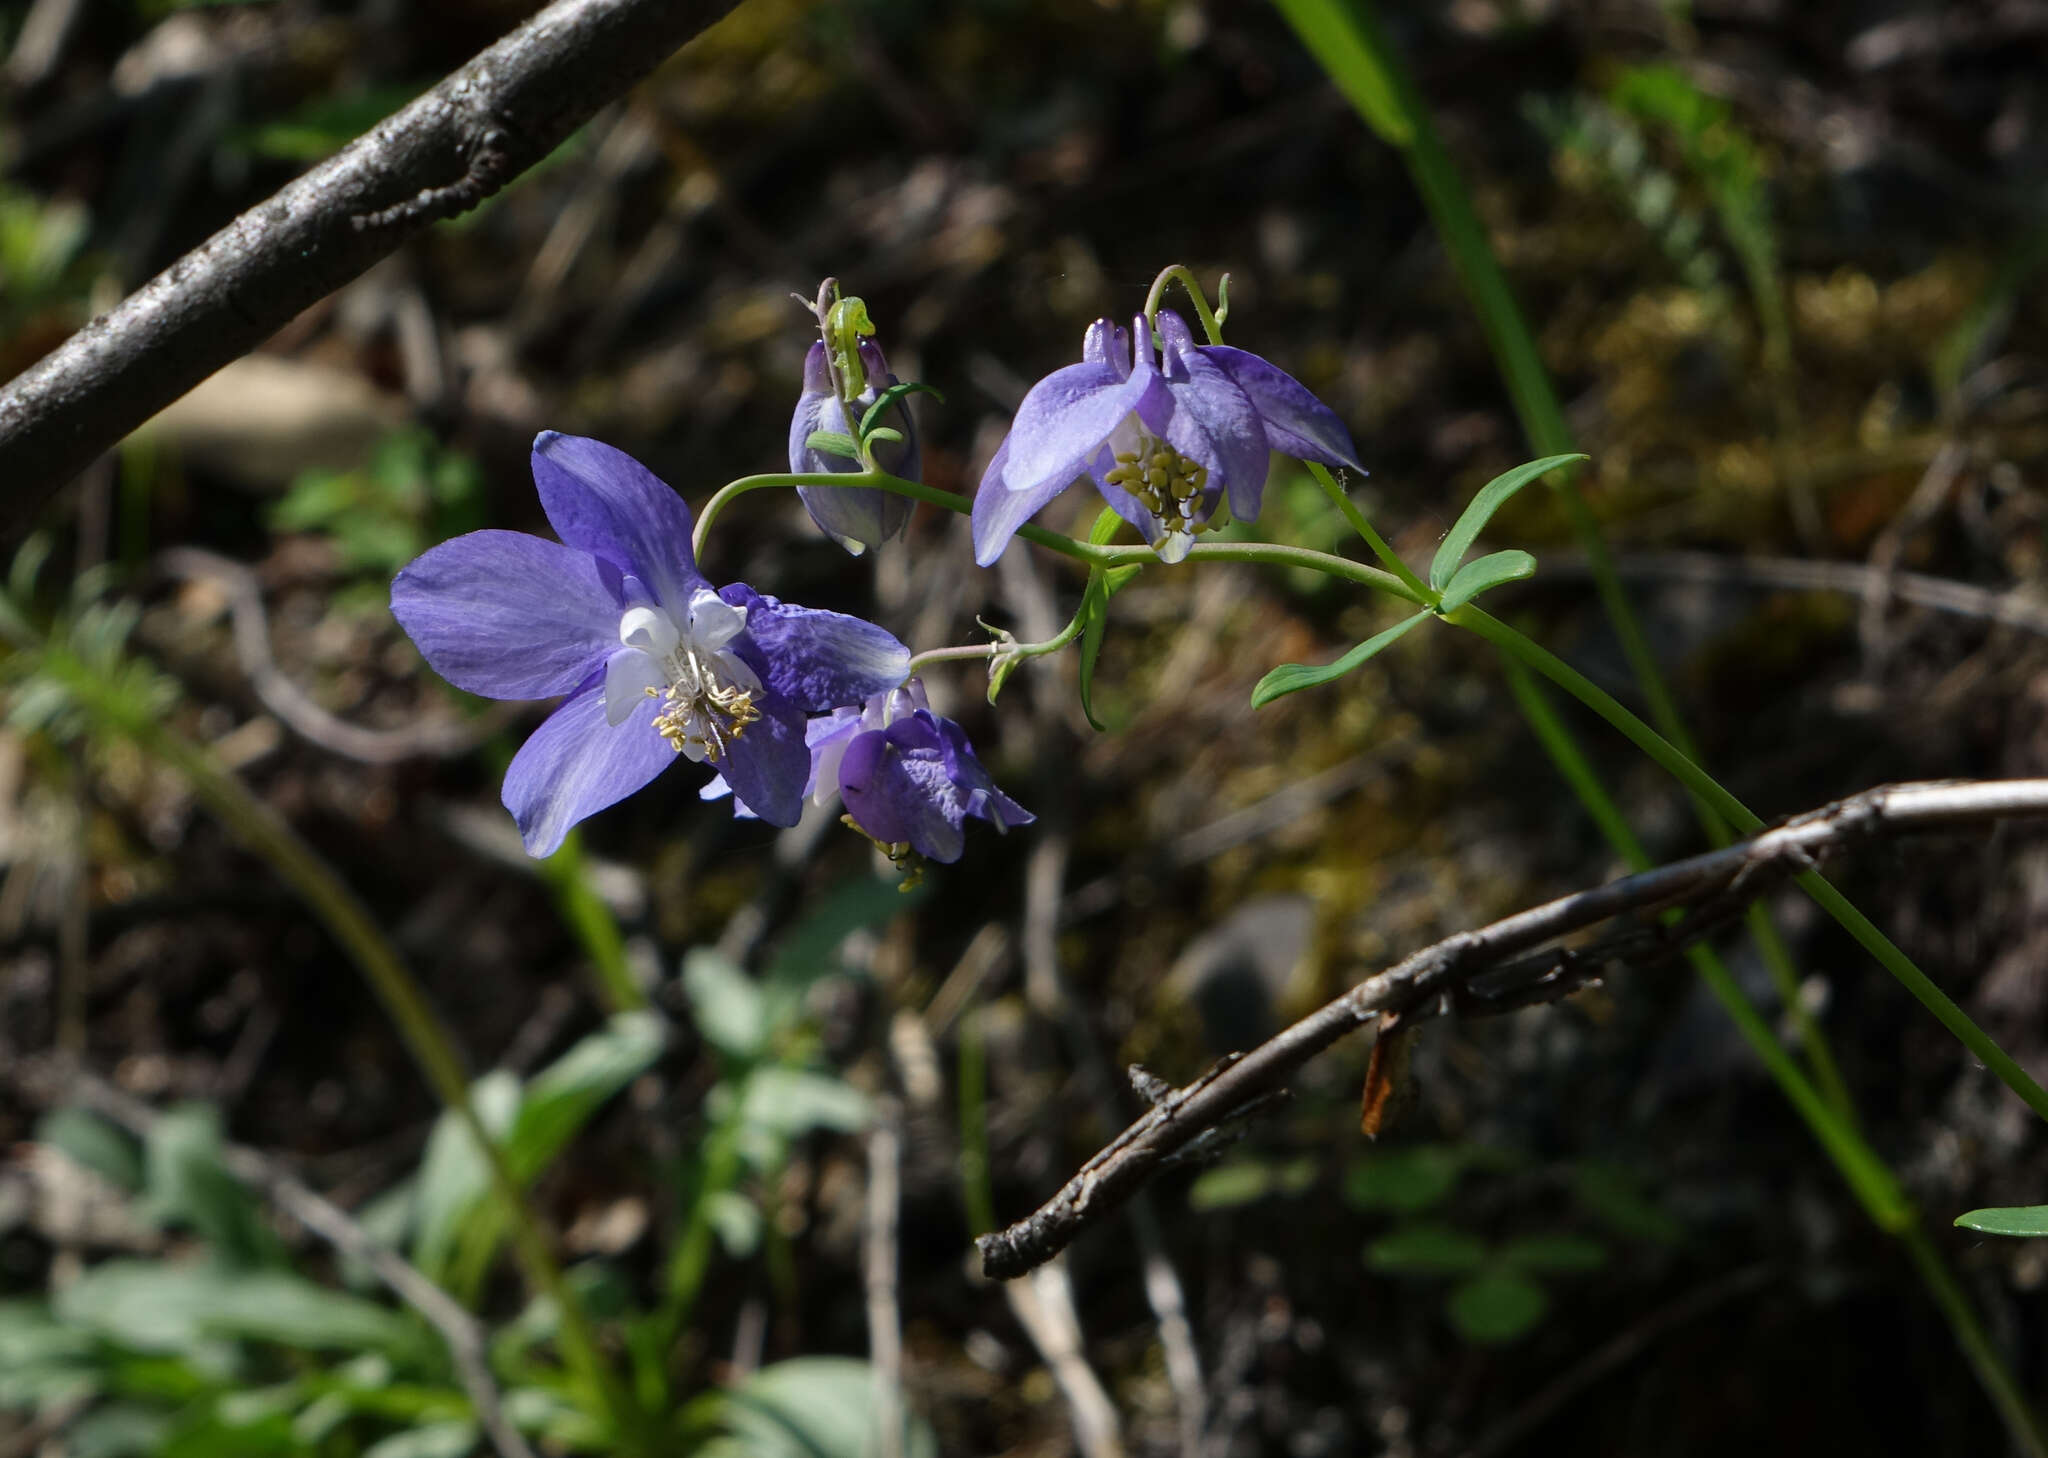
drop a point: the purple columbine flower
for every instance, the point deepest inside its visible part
(906, 775)
(1163, 439)
(655, 662)
(855, 517)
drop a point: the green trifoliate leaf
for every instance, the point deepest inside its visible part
(1613, 1196)
(1426, 1249)
(833, 442)
(1491, 498)
(1410, 1179)
(1496, 1307)
(1484, 574)
(2007, 1220)
(1560, 1253)
(1291, 678)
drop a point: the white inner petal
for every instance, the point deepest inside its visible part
(629, 677)
(1129, 433)
(825, 787)
(650, 630)
(714, 622)
(706, 692)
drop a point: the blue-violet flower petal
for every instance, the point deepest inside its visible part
(1164, 434)
(655, 662)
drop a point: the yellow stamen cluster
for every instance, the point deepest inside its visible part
(1163, 480)
(707, 714)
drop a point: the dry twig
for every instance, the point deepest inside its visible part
(1507, 964)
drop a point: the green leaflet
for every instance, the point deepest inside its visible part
(1291, 678)
(1491, 498)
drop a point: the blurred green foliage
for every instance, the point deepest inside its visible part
(1498, 1292)
(412, 493)
(43, 262)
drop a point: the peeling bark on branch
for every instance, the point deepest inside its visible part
(439, 156)
(1493, 969)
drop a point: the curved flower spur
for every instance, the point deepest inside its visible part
(655, 662)
(1162, 438)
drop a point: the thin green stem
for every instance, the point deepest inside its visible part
(1390, 102)
(1833, 1127)
(1270, 554)
(1394, 106)
(732, 490)
(567, 871)
(1212, 322)
(881, 480)
(1346, 37)
(1350, 43)
(1784, 975)
(1337, 32)
(272, 838)
(1273, 554)
(1532, 655)
(969, 652)
(1343, 502)
(962, 653)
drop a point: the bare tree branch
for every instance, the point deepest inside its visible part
(1490, 970)
(439, 156)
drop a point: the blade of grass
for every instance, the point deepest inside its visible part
(1534, 656)
(1341, 32)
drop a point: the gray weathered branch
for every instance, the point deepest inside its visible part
(439, 156)
(1490, 969)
